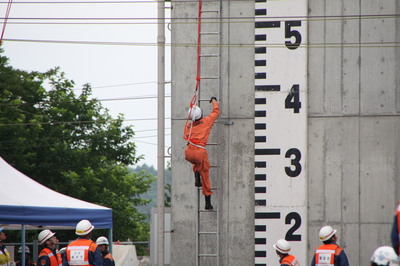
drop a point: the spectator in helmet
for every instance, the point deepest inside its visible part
(330, 251)
(282, 248)
(103, 243)
(386, 256)
(83, 251)
(4, 254)
(49, 256)
(28, 261)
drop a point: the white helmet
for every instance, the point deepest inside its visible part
(282, 246)
(45, 235)
(102, 241)
(195, 113)
(326, 233)
(83, 228)
(385, 256)
(26, 250)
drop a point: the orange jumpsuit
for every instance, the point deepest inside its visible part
(199, 132)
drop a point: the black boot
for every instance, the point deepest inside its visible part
(197, 181)
(208, 203)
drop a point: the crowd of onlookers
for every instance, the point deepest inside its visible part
(82, 251)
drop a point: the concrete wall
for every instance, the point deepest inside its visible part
(233, 134)
(353, 128)
(353, 123)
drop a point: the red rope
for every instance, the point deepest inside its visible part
(198, 45)
(193, 102)
(5, 21)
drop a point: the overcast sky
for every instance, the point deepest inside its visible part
(117, 72)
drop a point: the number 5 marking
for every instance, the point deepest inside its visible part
(297, 222)
(292, 33)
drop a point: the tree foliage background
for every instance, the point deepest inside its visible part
(71, 144)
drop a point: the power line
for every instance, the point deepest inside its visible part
(82, 101)
(122, 2)
(249, 19)
(249, 45)
(78, 122)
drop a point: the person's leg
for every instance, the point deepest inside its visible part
(193, 156)
(205, 179)
(205, 173)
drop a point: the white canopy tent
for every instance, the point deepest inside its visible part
(24, 201)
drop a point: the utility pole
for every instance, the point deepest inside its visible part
(160, 132)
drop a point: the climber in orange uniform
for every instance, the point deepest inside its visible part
(196, 133)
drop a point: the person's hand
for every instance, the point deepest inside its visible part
(213, 98)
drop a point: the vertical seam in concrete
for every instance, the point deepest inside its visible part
(342, 58)
(359, 131)
(324, 148)
(397, 82)
(324, 89)
(324, 67)
(342, 111)
(396, 58)
(227, 254)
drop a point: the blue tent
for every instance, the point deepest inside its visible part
(24, 201)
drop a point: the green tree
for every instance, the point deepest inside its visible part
(70, 143)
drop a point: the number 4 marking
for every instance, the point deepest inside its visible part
(293, 99)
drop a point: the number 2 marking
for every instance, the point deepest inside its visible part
(297, 222)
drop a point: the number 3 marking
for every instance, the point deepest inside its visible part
(295, 162)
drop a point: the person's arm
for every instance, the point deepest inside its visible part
(43, 261)
(394, 236)
(97, 259)
(215, 112)
(108, 262)
(313, 261)
(343, 261)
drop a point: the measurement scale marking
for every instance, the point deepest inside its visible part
(259, 139)
(260, 50)
(267, 151)
(260, 63)
(267, 24)
(261, 37)
(268, 87)
(260, 177)
(260, 164)
(267, 215)
(261, 12)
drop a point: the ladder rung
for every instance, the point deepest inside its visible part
(208, 232)
(204, 100)
(209, 11)
(209, 55)
(208, 210)
(211, 77)
(209, 33)
(214, 166)
(208, 255)
(213, 188)
(212, 144)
